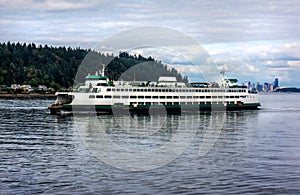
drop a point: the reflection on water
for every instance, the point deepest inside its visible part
(137, 142)
(255, 151)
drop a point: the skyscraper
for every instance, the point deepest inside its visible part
(275, 85)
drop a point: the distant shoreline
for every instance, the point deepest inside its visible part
(26, 96)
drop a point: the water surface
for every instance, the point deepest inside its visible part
(256, 152)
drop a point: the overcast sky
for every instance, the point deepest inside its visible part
(254, 40)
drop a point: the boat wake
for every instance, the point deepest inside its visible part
(280, 109)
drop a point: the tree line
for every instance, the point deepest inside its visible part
(59, 67)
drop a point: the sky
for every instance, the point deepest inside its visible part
(254, 40)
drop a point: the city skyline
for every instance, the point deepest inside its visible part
(264, 86)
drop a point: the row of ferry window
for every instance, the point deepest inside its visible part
(164, 97)
(177, 103)
(174, 90)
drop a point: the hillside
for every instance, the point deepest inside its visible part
(57, 66)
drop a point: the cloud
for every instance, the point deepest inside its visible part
(259, 61)
(244, 36)
(207, 21)
(46, 4)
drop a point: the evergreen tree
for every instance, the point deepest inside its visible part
(57, 67)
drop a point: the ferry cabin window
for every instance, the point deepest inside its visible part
(155, 97)
(208, 97)
(175, 97)
(125, 96)
(148, 97)
(133, 97)
(91, 96)
(108, 89)
(117, 96)
(162, 97)
(169, 97)
(189, 97)
(141, 97)
(99, 96)
(214, 97)
(201, 97)
(107, 96)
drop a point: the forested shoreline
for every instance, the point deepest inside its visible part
(56, 67)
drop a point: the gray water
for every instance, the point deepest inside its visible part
(255, 152)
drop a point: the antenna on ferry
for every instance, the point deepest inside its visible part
(223, 83)
(102, 72)
(223, 74)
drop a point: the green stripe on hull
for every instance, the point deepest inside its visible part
(158, 108)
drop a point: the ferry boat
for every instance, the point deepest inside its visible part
(101, 95)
